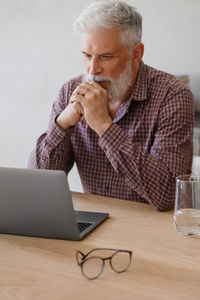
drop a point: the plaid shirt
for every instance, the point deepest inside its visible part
(139, 156)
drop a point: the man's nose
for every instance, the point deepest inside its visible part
(95, 66)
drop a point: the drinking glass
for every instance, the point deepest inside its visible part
(187, 205)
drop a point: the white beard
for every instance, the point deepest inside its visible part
(119, 86)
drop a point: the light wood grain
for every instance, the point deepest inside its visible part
(165, 264)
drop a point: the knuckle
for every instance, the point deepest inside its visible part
(98, 93)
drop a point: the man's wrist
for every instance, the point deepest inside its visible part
(61, 124)
(102, 129)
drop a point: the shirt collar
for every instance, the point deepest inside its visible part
(140, 88)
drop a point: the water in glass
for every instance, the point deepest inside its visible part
(187, 221)
(187, 204)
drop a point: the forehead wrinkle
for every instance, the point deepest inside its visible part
(103, 42)
(95, 49)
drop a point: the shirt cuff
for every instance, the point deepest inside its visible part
(112, 139)
(56, 134)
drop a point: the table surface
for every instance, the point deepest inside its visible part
(166, 265)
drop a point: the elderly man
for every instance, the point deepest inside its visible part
(127, 126)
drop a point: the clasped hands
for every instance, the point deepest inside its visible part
(89, 101)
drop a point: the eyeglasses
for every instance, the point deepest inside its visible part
(92, 265)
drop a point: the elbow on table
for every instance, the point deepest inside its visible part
(163, 206)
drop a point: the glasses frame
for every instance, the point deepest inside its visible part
(84, 258)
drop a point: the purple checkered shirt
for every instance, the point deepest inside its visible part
(149, 143)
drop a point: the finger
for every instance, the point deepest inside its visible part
(78, 108)
(109, 98)
(92, 86)
(76, 90)
(77, 98)
(79, 90)
(97, 85)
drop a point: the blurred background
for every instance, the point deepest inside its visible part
(39, 52)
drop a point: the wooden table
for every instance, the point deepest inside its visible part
(165, 264)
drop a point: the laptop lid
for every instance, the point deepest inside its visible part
(38, 203)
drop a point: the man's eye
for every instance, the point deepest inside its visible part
(107, 56)
(88, 56)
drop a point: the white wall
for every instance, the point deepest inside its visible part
(39, 52)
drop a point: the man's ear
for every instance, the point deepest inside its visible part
(138, 52)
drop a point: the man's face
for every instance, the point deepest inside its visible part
(105, 56)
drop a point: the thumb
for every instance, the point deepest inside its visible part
(78, 108)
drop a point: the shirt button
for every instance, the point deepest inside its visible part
(105, 149)
(107, 188)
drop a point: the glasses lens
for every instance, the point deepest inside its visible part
(92, 267)
(120, 261)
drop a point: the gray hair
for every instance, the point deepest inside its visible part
(107, 14)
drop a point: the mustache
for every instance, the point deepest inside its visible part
(98, 78)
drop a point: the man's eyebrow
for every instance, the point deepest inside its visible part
(107, 53)
(85, 53)
(100, 54)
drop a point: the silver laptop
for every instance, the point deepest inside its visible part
(38, 203)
